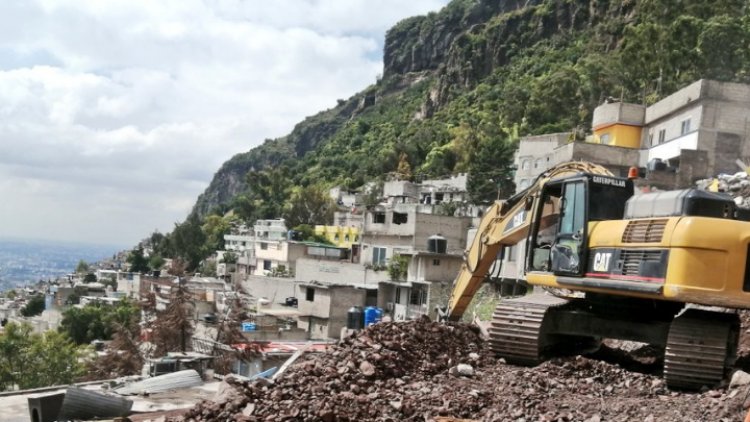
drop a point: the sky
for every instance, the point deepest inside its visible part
(114, 115)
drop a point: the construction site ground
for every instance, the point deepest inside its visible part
(409, 371)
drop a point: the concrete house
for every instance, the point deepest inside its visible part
(323, 306)
(241, 243)
(696, 132)
(277, 256)
(428, 284)
(402, 229)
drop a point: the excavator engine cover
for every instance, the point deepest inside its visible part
(685, 202)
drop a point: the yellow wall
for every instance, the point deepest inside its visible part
(342, 237)
(620, 135)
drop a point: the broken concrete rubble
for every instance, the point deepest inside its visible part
(410, 380)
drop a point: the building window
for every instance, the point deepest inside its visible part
(662, 135)
(266, 265)
(310, 294)
(525, 164)
(418, 296)
(398, 295)
(538, 163)
(685, 127)
(346, 238)
(605, 139)
(378, 256)
(651, 139)
(435, 262)
(400, 217)
(378, 217)
(438, 198)
(523, 184)
(264, 245)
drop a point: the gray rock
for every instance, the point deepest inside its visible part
(739, 378)
(463, 370)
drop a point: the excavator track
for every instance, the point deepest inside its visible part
(700, 346)
(517, 331)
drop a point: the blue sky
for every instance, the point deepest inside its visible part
(115, 114)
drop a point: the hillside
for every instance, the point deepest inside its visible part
(460, 85)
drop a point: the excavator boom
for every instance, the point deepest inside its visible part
(504, 224)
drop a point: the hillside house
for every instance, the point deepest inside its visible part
(323, 306)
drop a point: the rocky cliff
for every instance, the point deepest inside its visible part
(457, 80)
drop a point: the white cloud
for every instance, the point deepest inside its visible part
(115, 115)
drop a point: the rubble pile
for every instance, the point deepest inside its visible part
(737, 185)
(422, 371)
(377, 374)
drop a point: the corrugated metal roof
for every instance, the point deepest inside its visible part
(84, 404)
(176, 380)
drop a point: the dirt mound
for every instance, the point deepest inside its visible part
(408, 372)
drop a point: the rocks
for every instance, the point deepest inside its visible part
(425, 371)
(739, 378)
(737, 185)
(366, 369)
(463, 370)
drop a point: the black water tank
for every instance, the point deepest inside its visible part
(437, 244)
(354, 318)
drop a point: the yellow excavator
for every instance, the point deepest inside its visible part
(665, 268)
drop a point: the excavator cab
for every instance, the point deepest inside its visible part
(558, 235)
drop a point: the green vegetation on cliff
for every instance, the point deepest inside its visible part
(461, 85)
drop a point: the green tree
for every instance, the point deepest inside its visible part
(266, 192)
(214, 228)
(34, 306)
(56, 361)
(82, 267)
(156, 262)
(491, 172)
(89, 278)
(137, 260)
(310, 205)
(230, 257)
(189, 243)
(398, 267)
(30, 360)
(96, 321)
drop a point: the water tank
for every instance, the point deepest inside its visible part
(437, 244)
(248, 326)
(372, 315)
(656, 164)
(354, 318)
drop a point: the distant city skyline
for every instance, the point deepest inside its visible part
(27, 261)
(115, 115)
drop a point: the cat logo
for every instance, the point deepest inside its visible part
(601, 261)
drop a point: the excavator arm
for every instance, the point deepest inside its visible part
(504, 224)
